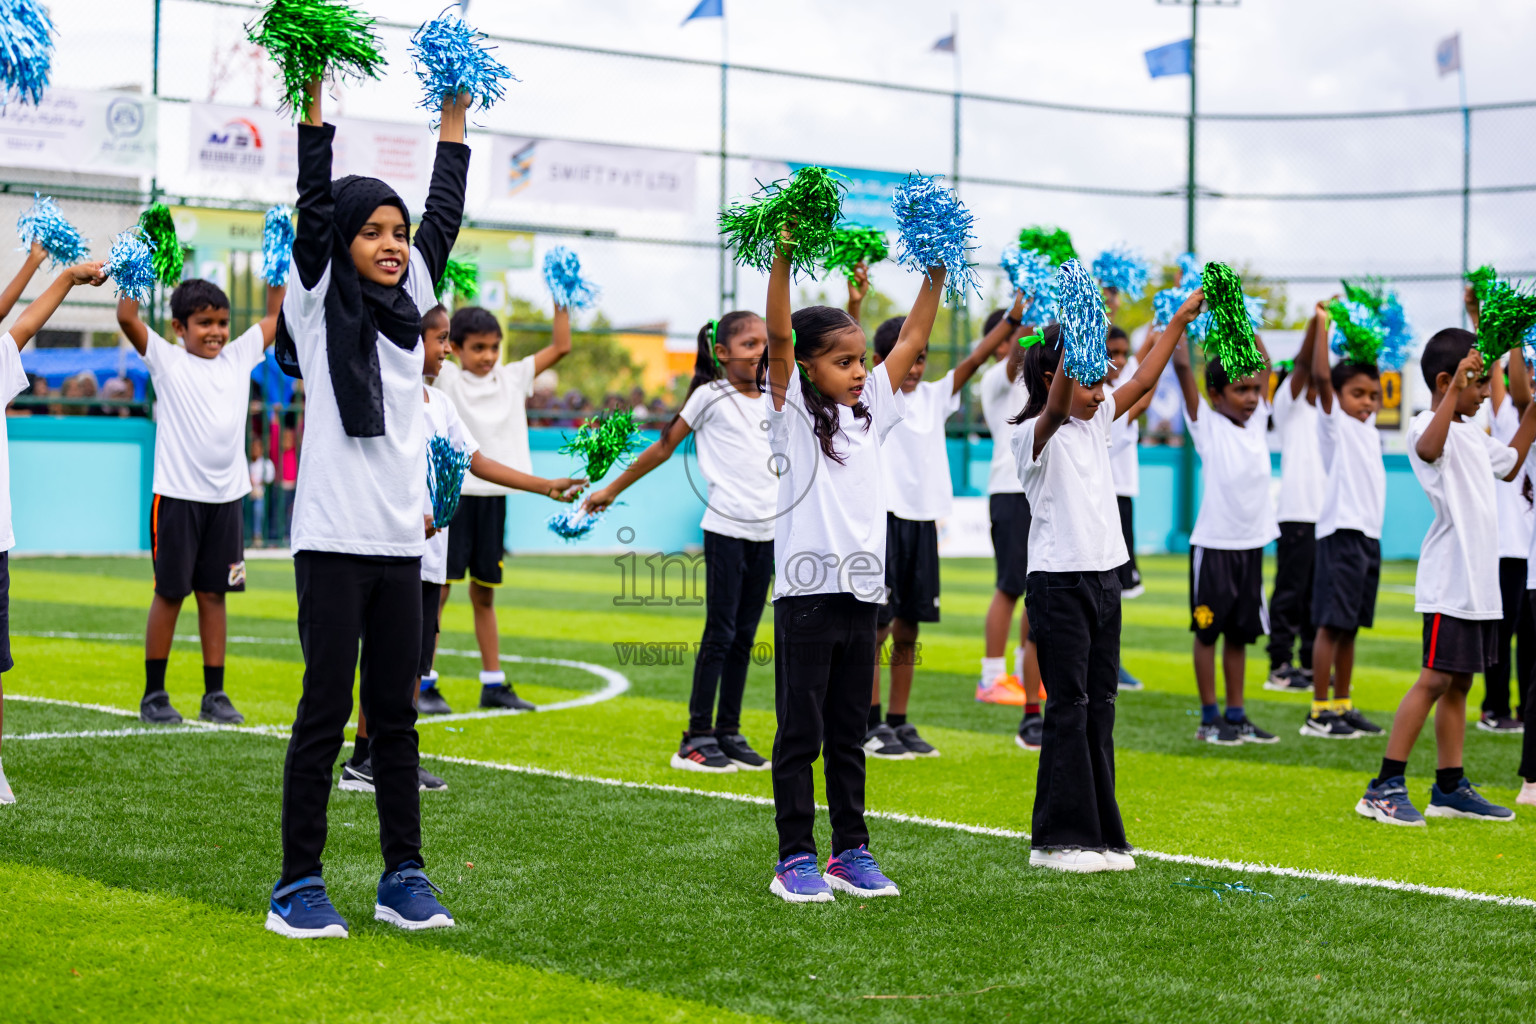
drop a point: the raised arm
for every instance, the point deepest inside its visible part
(487, 468)
(559, 342)
(1007, 329)
(858, 290)
(41, 308)
(1258, 343)
(781, 333)
(35, 257)
(268, 323)
(916, 328)
(132, 327)
(1058, 405)
(1144, 381)
(1431, 444)
(1521, 442)
(313, 236)
(1319, 341)
(1188, 389)
(1474, 308)
(439, 227)
(1519, 380)
(658, 452)
(1301, 370)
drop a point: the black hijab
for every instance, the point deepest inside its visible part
(358, 310)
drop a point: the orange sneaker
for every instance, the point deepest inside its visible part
(1003, 690)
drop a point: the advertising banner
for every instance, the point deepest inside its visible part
(581, 174)
(81, 130)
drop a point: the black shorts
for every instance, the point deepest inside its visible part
(431, 611)
(197, 546)
(1460, 646)
(1010, 540)
(1226, 595)
(6, 664)
(477, 540)
(1346, 571)
(911, 570)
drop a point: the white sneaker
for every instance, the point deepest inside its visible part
(1527, 794)
(6, 796)
(1118, 861)
(1078, 861)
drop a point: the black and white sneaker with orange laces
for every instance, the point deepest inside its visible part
(702, 754)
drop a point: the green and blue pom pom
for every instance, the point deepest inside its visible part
(277, 236)
(446, 466)
(1084, 323)
(158, 229)
(562, 273)
(1369, 326)
(26, 51)
(460, 280)
(1357, 336)
(1167, 302)
(1230, 337)
(309, 39)
(131, 265)
(1031, 273)
(43, 224)
(1123, 271)
(451, 59)
(853, 244)
(1507, 314)
(1052, 242)
(936, 232)
(603, 441)
(572, 524)
(808, 205)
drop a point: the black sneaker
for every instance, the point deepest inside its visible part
(1501, 724)
(356, 778)
(1362, 725)
(881, 742)
(427, 782)
(906, 732)
(740, 752)
(1251, 733)
(1329, 725)
(430, 702)
(217, 708)
(500, 695)
(702, 754)
(155, 709)
(1031, 733)
(1288, 679)
(1220, 732)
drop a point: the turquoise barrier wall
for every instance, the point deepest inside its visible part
(81, 484)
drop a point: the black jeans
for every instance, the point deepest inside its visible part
(345, 600)
(1290, 606)
(738, 573)
(1516, 626)
(1074, 618)
(824, 659)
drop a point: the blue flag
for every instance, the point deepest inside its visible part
(1172, 59)
(945, 45)
(707, 9)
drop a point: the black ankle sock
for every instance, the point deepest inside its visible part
(1448, 778)
(1391, 769)
(154, 675)
(213, 678)
(360, 750)
(893, 719)
(874, 715)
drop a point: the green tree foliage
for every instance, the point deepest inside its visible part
(598, 364)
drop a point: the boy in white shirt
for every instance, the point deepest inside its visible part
(914, 462)
(1226, 547)
(491, 398)
(197, 539)
(1457, 588)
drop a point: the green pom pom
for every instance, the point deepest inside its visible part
(167, 254)
(1505, 316)
(460, 280)
(856, 243)
(1362, 342)
(307, 39)
(808, 205)
(1369, 292)
(1053, 243)
(1482, 280)
(607, 438)
(1230, 339)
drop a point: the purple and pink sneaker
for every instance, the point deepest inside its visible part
(855, 871)
(796, 880)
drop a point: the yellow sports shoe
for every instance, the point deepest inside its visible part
(1005, 689)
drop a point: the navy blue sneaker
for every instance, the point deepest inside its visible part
(855, 871)
(302, 910)
(796, 880)
(406, 900)
(1386, 800)
(1464, 802)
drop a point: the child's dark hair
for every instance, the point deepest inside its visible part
(814, 327)
(705, 365)
(195, 294)
(472, 320)
(887, 335)
(991, 321)
(434, 318)
(1342, 371)
(1116, 331)
(1039, 359)
(1444, 352)
(1216, 379)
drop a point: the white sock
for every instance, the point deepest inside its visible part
(991, 668)
(429, 680)
(493, 678)
(1018, 663)
(6, 796)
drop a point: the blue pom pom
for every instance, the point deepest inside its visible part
(562, 273)
(44, 224)
(1084, 324)
(450, 60)
(1031, 273)
(935, 231)
(1399, 334)
(131, 266)
(1167, 302)
(1189, 270)
(1122, 270)
(26, 50)
(446, 466)
(574, 523)
(277, 245)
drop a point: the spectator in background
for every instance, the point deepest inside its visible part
(637, 401)
(33, 383)
(288, 475)
(118, 389)
(262, 475)
(81, 385)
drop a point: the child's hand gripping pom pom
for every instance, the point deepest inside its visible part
(1230, 337)
(43, 224)
(460, 280)
(451, 60)
(936, 232)
(805, 208)
(1031, 273)
(604, 440)
(277, 236)
(853, 244)
(1052, 243)
(26, 51)
(307, 39)
(572, 524)
(562, 274)
(1084, 324)
(1123, 271)
(446, 466)
(130, 264)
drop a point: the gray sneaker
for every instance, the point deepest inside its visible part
(1386, 801)
(882, 742)
(1220, 732)
(429, 783)
(906, 732)
(217, 708)
(155, 709)
(1031, 734)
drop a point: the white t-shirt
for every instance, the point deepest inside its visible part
(262, 473)
(494, 408)
(1001, 400)
(829, 537)
(441, 418)
(1516, 516)
(200, 410)
(731, 438)
(1355, 493)
(1075, 524)
(1301, 459)
(1458, 569)
(1236, 512)
(13, 381)
(1124, 435)
(359, 495)
(914, 458)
